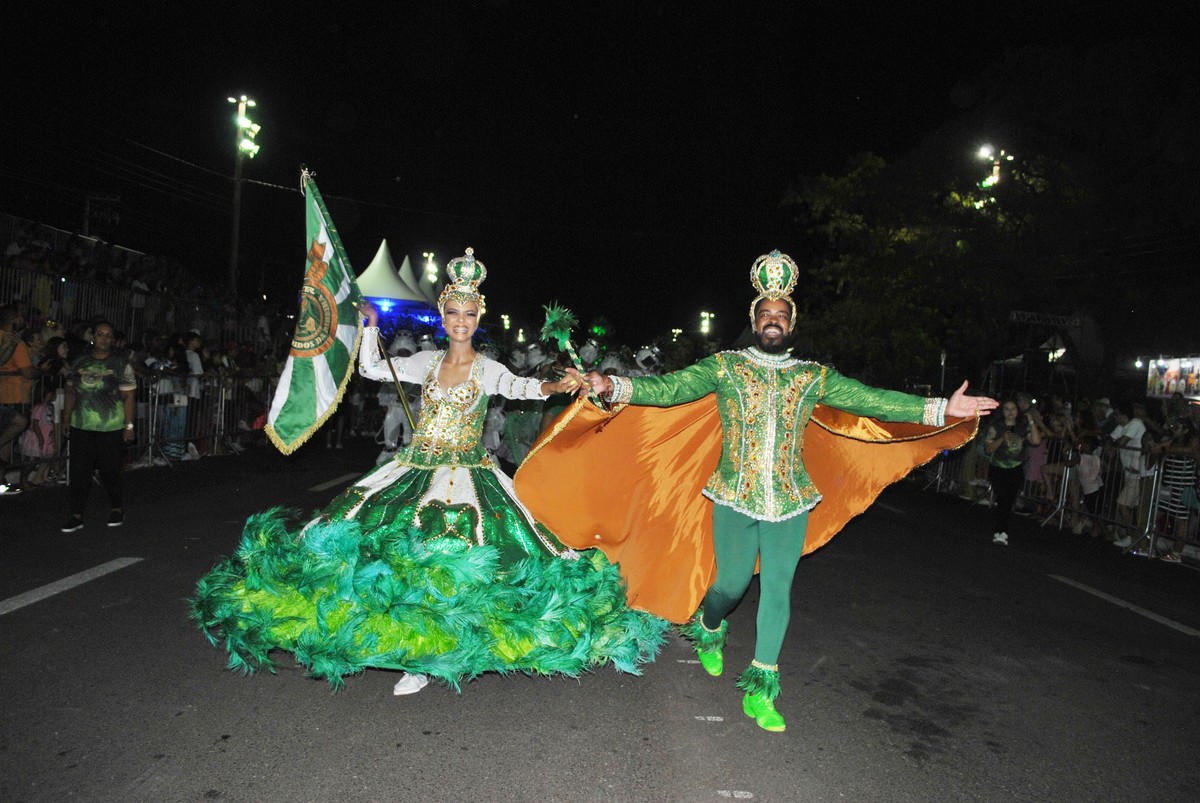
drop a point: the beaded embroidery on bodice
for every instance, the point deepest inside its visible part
(451, 421)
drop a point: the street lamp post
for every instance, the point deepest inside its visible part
(990, 154)
(247, 130)
(431, 268)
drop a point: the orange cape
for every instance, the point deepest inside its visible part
(629, 482)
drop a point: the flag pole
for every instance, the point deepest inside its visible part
(399, 390)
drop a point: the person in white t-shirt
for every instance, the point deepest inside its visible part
(195, 372)
(1127, 438)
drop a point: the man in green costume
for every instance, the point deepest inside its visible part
(761, 491)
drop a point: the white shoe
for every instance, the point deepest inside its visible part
(1000, 538)
(1123, 543)
(193, 452)
(410, 684)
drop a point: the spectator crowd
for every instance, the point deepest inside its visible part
(1126, 473)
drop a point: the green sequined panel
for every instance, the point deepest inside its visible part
(497, 521)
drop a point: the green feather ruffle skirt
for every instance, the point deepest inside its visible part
(343, 597)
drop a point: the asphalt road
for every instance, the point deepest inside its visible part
(922, 663)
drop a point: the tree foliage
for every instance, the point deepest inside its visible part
(915, 256)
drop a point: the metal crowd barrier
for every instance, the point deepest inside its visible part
(220, 416)
(1149, 523)
(66, 300)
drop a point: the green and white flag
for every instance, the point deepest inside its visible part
(325, 340)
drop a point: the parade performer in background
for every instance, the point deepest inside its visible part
(428, 564)
(715, 483)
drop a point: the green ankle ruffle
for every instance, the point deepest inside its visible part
(704, 639)
(759, 679)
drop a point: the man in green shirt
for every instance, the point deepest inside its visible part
(100, 407)
(761, 491)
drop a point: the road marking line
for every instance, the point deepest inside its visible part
(1162, 620)
(58, 586)
(327, 485)
(886, 506)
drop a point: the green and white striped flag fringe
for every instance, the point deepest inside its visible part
(325, 340)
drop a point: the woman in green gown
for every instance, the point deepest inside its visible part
(429, 563)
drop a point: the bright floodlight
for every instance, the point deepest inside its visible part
(986, 152)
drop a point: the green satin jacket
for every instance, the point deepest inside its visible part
(765, 401)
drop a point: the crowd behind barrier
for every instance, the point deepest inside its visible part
(177, 420)
(1147, 502)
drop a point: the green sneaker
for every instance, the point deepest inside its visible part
(713, 661)
(761, 709)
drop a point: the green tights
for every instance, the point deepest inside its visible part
(738, 541)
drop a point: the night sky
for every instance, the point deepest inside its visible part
(624, 159)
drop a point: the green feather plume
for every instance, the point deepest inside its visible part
(559, 323)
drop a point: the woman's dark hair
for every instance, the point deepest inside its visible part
(50, 350)
(51, 364)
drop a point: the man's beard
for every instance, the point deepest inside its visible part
(771, 347)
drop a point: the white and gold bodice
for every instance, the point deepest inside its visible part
(449, 430)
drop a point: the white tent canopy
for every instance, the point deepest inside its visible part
(429, 291)
(382, 280)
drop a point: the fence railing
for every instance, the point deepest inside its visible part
(65, 299)
(221, 415)
(1131, 504)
